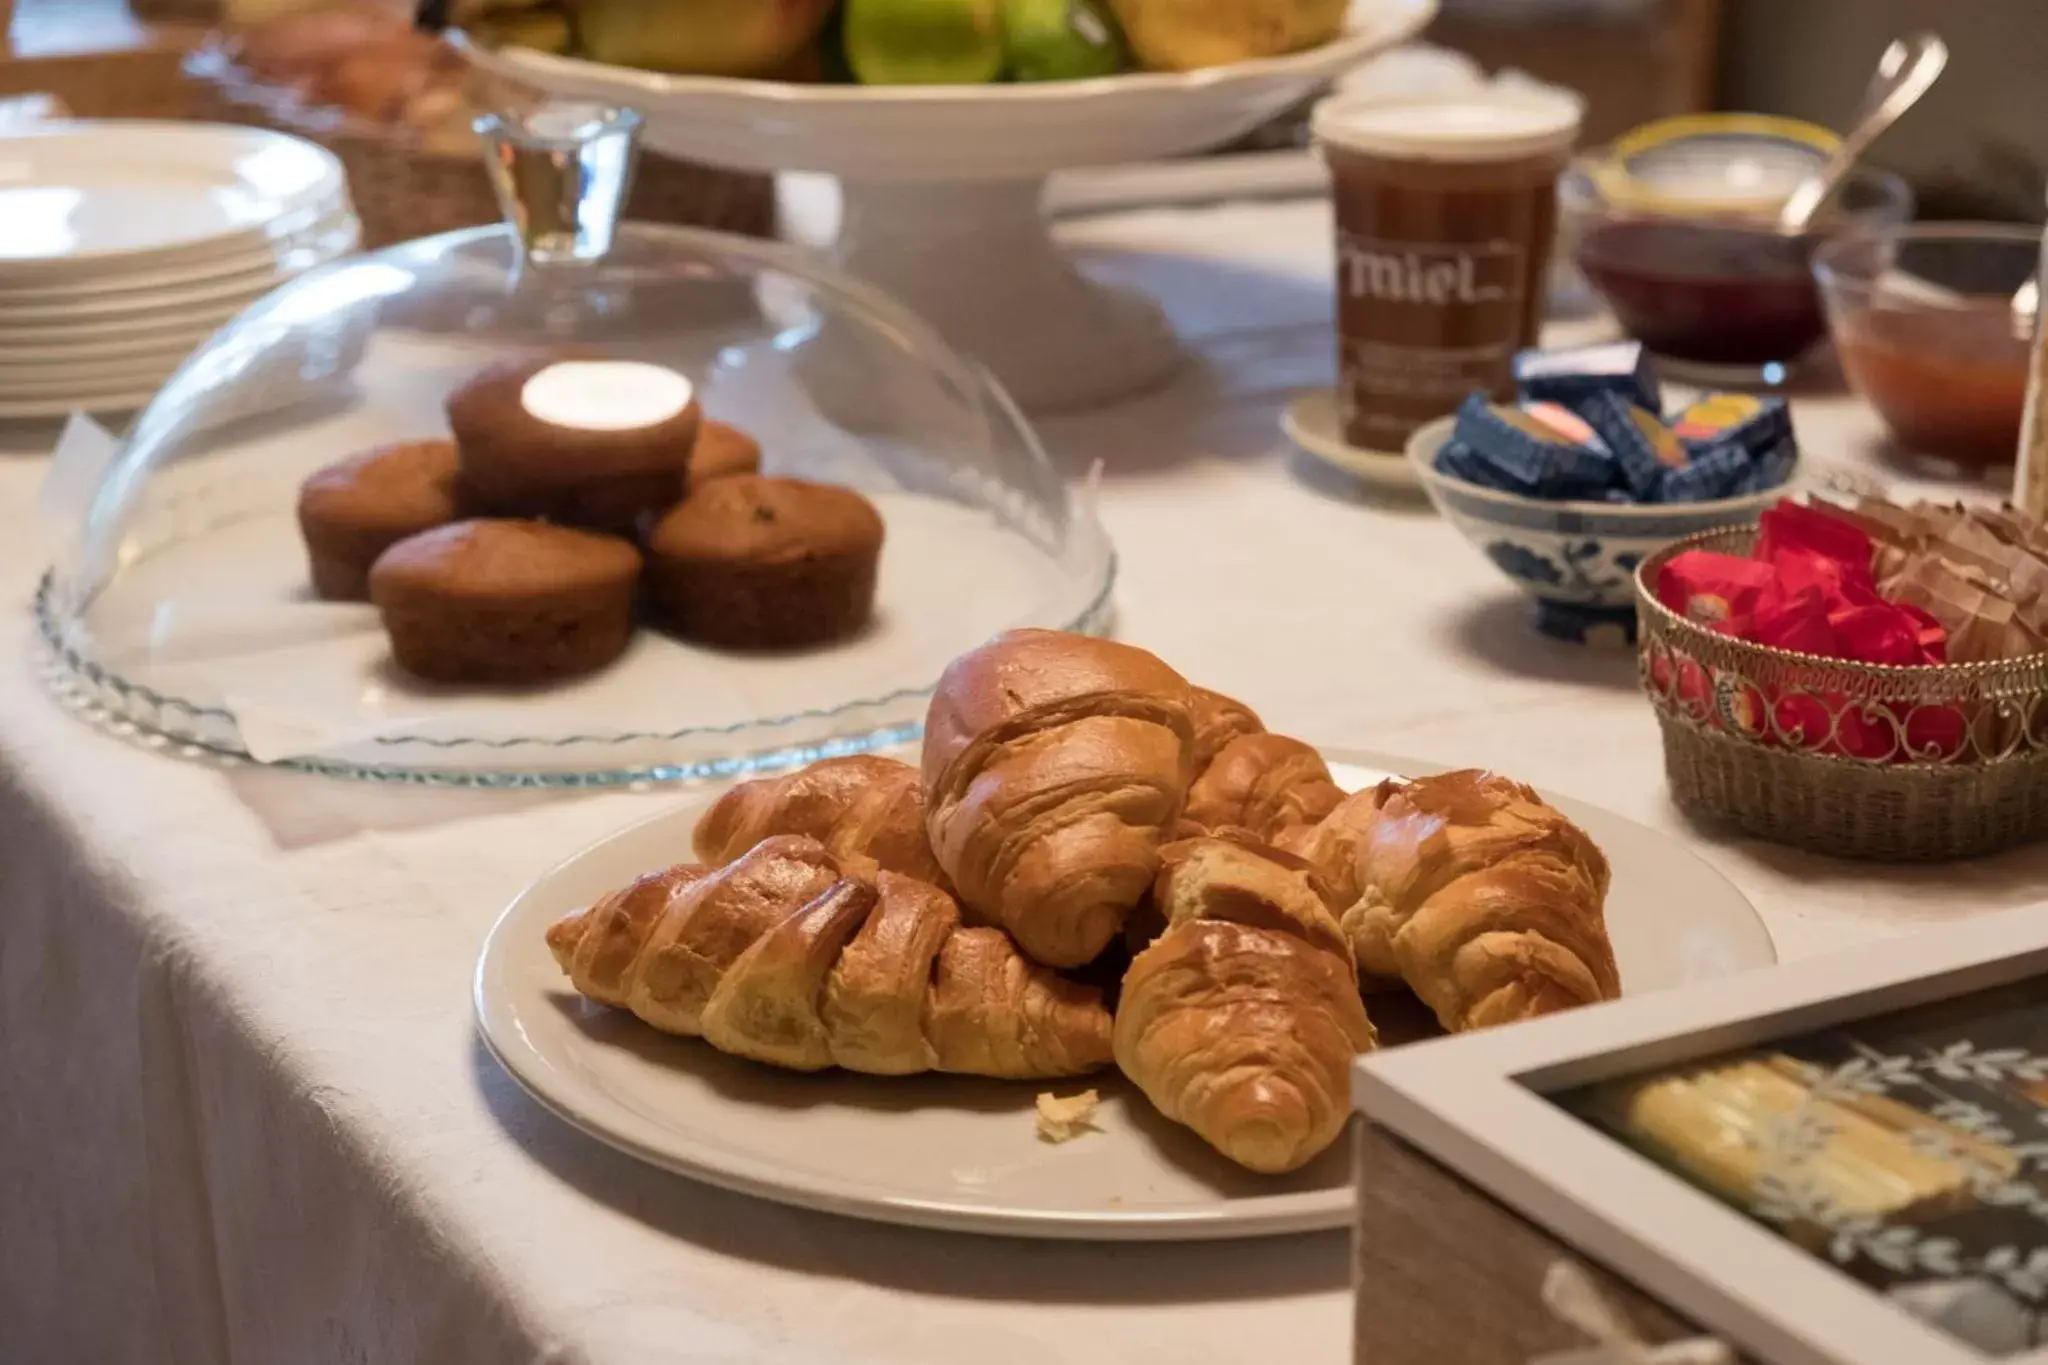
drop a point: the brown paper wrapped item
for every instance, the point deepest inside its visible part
(2005, 521)
(1981, 624)
(2016, 574)
(1937, 519)
(1895, 542)
(1975, 535)
(1904, 526)
(2026, 568)
(2014, 527)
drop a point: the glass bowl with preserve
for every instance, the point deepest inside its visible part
(1676, 229)
(1931, 332)
(564, 501)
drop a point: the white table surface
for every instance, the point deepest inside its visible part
(243, 1113)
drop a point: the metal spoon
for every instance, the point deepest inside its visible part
(1905, 71)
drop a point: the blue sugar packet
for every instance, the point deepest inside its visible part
(1644, 448)
(1716, 474)
(1570, 375)
(1758, 425)
(1770, 471)
(1565, 425)
(1457, 460)
(1529, 456)
(1752, 481)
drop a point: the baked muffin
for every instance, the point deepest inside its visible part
(576, 438)
(488, 601)
(353, 511)
(753, 562)
(722, 451)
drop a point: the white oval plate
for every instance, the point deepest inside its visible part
(1310, 421)
(962, 1154)
(94, 197)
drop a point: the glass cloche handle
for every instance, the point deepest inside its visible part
(561, 172)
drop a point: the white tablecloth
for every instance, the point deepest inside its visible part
(243, 1113)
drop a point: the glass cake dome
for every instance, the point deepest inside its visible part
(181, 603)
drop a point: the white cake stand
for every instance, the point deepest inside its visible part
(942, 185)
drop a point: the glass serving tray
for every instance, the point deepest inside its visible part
(181, 603)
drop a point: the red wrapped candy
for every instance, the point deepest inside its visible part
(1809, 588)
(1712, 589)
(1793, 534)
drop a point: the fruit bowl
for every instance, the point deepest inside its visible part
(942, 185)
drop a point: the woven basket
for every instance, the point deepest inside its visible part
(1857, 760)
(404, 190)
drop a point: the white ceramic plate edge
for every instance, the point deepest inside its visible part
(618, 1127)
(325, 190)
(330, 238)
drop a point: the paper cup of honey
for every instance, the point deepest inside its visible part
(1446, 211)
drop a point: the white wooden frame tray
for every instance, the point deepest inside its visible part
(1477, 1105)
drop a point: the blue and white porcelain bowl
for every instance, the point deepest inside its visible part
(1577, 559)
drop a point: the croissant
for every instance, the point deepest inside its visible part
(1483, 898)
(1055, 767)
(1218, 720)
(783, 958)
(1242, 1018)
(597, 947)
(863, 805)
(1263, 783)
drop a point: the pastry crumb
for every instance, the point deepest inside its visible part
(1062, 1118)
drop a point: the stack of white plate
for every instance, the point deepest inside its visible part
(125, 244)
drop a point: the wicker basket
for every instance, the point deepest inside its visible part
(403, 189)
(1857, 760)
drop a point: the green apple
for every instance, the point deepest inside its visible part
(700, 37)
(925, 42)
(1061, 40)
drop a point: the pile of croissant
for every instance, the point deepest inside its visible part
(1079, 799)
